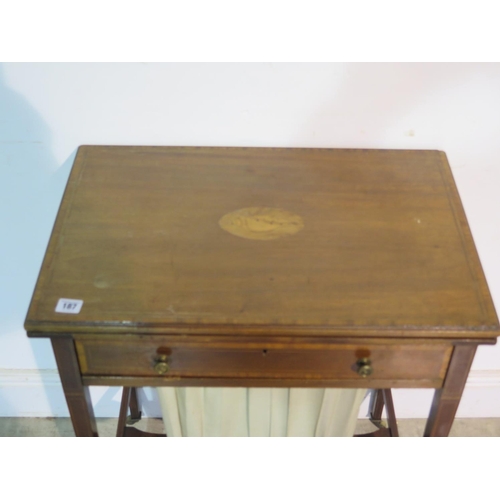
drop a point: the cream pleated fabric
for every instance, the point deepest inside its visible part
(232, 412)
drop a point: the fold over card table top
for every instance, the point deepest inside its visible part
(320, 242)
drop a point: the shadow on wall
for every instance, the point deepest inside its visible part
(106, 401)
(31, 186)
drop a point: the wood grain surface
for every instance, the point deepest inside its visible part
(406, 361)
(383, 247)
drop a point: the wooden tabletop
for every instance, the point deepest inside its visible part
(296, 241)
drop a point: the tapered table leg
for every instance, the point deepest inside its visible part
(135, 413)
(122, 417)
(376, 405)
(77, 395)
(391, 414)
(446, 400)
(379, 398)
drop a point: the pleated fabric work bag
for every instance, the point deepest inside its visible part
(253, 412)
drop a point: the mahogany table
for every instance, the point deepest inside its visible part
(257, 267)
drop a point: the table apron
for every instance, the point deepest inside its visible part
(267, 364)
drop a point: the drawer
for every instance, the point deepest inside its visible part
(168, 358)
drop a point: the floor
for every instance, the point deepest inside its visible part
(61, 427)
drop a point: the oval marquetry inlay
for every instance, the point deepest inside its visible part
(261, 223)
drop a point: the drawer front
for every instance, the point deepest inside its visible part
(140, 357)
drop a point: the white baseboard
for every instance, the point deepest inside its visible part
(34, 393)
(38, 393)
(481, 398)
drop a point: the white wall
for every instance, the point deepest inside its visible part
(47, 110)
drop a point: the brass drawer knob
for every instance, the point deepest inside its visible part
(364, 366)
(161, 365)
